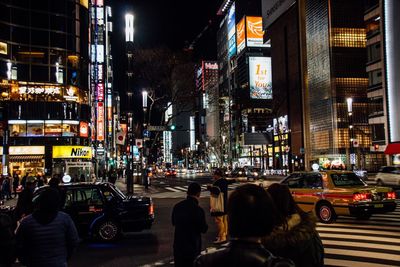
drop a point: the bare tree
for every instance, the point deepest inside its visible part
(168, 78)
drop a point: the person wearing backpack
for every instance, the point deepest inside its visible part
(294, 236)
(251, 216)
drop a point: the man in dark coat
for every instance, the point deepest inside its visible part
(189, 221)
(24, 205)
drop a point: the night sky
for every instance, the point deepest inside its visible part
(173, 24)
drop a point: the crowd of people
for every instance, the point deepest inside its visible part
(37, 234)
(266, 228)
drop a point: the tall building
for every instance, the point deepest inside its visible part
(383, 94)
(336, 95)
(45, 96)
(245, 83)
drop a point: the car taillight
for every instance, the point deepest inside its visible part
(151, 209)
(391, 195)
(361, 197)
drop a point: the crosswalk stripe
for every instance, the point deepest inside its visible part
(355, 231)
(181, 188)
(377, 227)
(172, 189)
(363, 238)
(351, 244)
(347, 263)
(367, 254)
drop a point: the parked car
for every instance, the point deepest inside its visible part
(102, 211)
(388, 175)
(170, 173)
(333, 193)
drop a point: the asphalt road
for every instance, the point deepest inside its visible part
(137, 249)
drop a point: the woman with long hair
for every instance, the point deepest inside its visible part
(294, 236)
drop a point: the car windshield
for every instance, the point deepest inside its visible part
(347, 179)
(119, 192)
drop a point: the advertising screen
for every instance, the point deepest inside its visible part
(231, 31)
(260, 77)
(254, 32)
(100, 121)
(241, 35)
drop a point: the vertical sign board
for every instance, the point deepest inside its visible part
(192, 133)
(260, 77)
(254, 32)
(231, 31)
(100, 121)
(241, 35)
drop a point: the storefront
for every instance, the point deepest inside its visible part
(73, 160)
(26, 160)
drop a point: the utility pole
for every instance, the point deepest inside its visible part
(129, 90)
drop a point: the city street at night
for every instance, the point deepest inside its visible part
(240, 133)
(348, 242)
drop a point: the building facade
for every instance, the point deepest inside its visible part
(45, 95)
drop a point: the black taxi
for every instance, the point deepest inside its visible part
(102, 211)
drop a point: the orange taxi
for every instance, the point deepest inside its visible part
(333, 193)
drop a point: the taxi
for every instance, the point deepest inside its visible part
(333, 193)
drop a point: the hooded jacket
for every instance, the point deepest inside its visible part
(299, 241)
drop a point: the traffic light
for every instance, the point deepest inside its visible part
(172, 127)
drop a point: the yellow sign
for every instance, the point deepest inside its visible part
(72, 152)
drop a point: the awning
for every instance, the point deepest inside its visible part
(26, 158)
(393, 148)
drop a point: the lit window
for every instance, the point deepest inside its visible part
(348, 37)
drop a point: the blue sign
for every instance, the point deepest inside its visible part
(232, 31)
(146, 133)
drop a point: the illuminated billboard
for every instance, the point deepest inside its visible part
(100, 121)
(254, 32)
(231, 31)
(241, 35)
(260, 77)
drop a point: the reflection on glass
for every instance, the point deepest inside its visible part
(17, 130)
(35, 128)
(52, 128)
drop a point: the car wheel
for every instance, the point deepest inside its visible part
(379, 182)
(108, 230)
(363, 216)
(325, 213)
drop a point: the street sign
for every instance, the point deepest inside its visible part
(155, 128)
(146, 133)
(356, 143)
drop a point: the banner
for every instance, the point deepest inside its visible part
(260, 77)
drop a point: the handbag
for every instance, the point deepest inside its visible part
(217, 202)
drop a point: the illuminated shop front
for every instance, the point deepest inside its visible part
(26, 160)
(72, 160)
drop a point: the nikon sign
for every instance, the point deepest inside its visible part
(72, 152)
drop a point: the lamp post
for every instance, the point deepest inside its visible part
(351, 131)
(129, 29)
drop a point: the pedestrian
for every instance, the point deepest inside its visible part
(23, 181)
(93, 178)
(40, 180)
(251, 216)
(190, 222)
(24, 205)
(15, 183)
(7, 244)
(294, 236)
(6, 188)
(220, 217)
(82, 178)
(47, 237)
